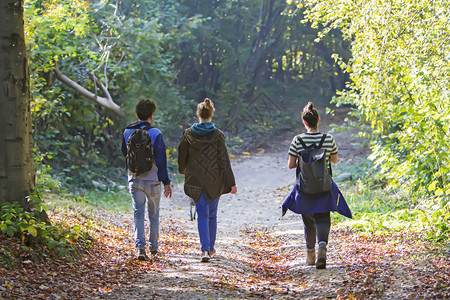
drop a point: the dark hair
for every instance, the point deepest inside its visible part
(205, 109)
(145, 108)
(310, 115)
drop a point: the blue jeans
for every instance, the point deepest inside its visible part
(142, 191)
(207, 222)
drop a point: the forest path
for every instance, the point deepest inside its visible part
(260, 254)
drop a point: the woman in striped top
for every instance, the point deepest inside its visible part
(315, 224)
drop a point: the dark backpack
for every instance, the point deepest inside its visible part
(139, 157)
(313, 173)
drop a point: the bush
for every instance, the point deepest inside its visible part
(25, 227)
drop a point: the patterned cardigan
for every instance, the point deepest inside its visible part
(205, 162)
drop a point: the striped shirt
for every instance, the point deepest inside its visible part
(313, 138)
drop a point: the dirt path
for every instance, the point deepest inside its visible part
(260, 254)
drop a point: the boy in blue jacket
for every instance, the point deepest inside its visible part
(147, 186)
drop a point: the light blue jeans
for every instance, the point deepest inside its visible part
(207, 222)
(142, 191)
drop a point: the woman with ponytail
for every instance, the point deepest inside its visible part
(315, 208)
(203, 159)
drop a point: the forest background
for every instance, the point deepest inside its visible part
(257, 62)
(260, 62)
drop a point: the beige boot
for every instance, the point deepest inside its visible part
(322, 256)
(310, 257)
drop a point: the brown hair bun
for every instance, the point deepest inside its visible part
(205, 109)
(310, 115)
(309, 107)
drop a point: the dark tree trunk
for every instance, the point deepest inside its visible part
(16, 151)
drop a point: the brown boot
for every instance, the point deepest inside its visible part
(322, 256)
(310, 257)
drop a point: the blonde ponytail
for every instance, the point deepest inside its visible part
(205, 109)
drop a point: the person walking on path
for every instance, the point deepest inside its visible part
(203, 159)
(146, 187)
(315, 208)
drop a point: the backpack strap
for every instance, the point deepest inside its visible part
(322, 140)
(302, 142)
(147, 127)
(138, 124)
(329, 162)
(324, 136)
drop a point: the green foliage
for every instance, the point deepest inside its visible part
(68, 133)
(380, 210)
(16, 222)
(437, 218)
(121, 45)
(400, 86)
(253, 58)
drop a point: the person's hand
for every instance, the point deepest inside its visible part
(233, 189)
(167, 191)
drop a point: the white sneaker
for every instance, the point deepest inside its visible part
(205, 256)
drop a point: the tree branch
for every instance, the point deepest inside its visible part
(106, 101)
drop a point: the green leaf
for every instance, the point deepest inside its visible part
(10, 231)
(32, 230)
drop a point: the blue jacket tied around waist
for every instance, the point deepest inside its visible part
(302, 203)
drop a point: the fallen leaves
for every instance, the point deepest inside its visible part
(257, 264)
(107, 264)
(397, 263)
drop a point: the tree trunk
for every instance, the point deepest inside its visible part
(16, 151)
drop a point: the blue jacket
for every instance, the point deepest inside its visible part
(302, 203)
(158, 145)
